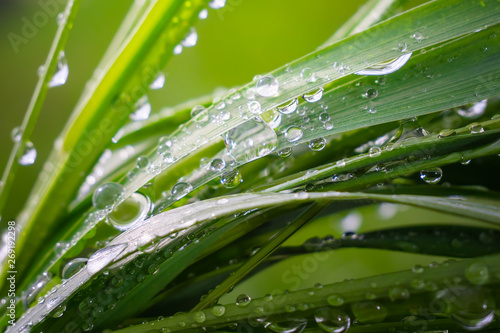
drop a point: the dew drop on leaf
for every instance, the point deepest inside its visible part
(267, 86)
(28, 156)
(317, 144)
(190, 39)
(72, 267)
(332, 320)
(142, 109)
(16, 134)
(217, 165)
(180, 190)
(61, 72)
(289, 107)
(231, 178)
(203, 14)
(130, 212)
(108, 195)
(243, 300)
(293, 134)
(477, 273)
(386, 67)
(374, 151)
(314, 95)
(369, 312)
(158, 82)
(431, 176)
(217, 4)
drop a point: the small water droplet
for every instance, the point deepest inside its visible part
(307, 74)
(16, 134)
(231, 178)
(29, 154)
(158, 82)
(324, 117)
(142, 109)
(370, 93)
(254, 107)
(61, 72)
(398, 293)
(293, 134)
(178, 49)
(374, 151)
(402, 47)
(218, 310)
(243, 300)
(446, 133)
(386, 67)
(313, 96)
(199, 317)
(190, 39)
(108, 195)
(72, 267)
(217, 165)
(417, 269)
(180, 190)
(335, 300)
(476, 128)
(267, 86)
(317, 144)
(290, 107)
(203, 14)
(417, 36)
(431, 176)
(369, 312)
(130, 212)
(332, 320)
(217, 4)
(285, 152)
(477, 273)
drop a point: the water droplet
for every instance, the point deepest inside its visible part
(178, 49)
(199, 317)
(324, 117)
(35, 289)
(402, 47)
(158, 82)
(398, 293)
(374, 151)
(254, 107)
(307, 74)
(476, 128)
(218, 310)
(417, 269)
(380, 80)
(293, 134)
(190, 39)
(335, 300)
(295, 325)
(317, 144)
(417, 36)
(477, 273)
(130, 212)
(369, 312)
(142, 109)
(217, 4)
(16, 134)
(231, 179)
(217, 165)
(285, 152)
(272, 118)
(267, 86)
(72, 267)
(370, 93)
(473, 111)
(101, 258)
(243, 300)
(108, 195)
(446, 133)
(61, 72)
(332, 320)
(431, 176)
(29, 154)
(180, 190)
(203, 14)
(313, 96)
(386, 67)
(290, 107)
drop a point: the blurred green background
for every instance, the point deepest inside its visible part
(235, 43)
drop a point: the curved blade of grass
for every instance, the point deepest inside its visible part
(350, 292)
(183, 218)
(100, 114)
(36, 103)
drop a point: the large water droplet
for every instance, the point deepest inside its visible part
(180, 190)
(142, 109)
(231, 179)
(61, 72)
(250, 140)
(158, 82)
(217, 4)
(243, 300)
(103, 257)
(314, 95)
(431, 176)
(108, 195)
(386, 67)
(72, 267)
(295, 325)
(293, 133)
(218, 310)
(317, 144)
(476, 128)
(289, 107)
(130, 212)
(369, 312)
(332, 320)
(190, 39)
(29, 154)
(267, 86)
